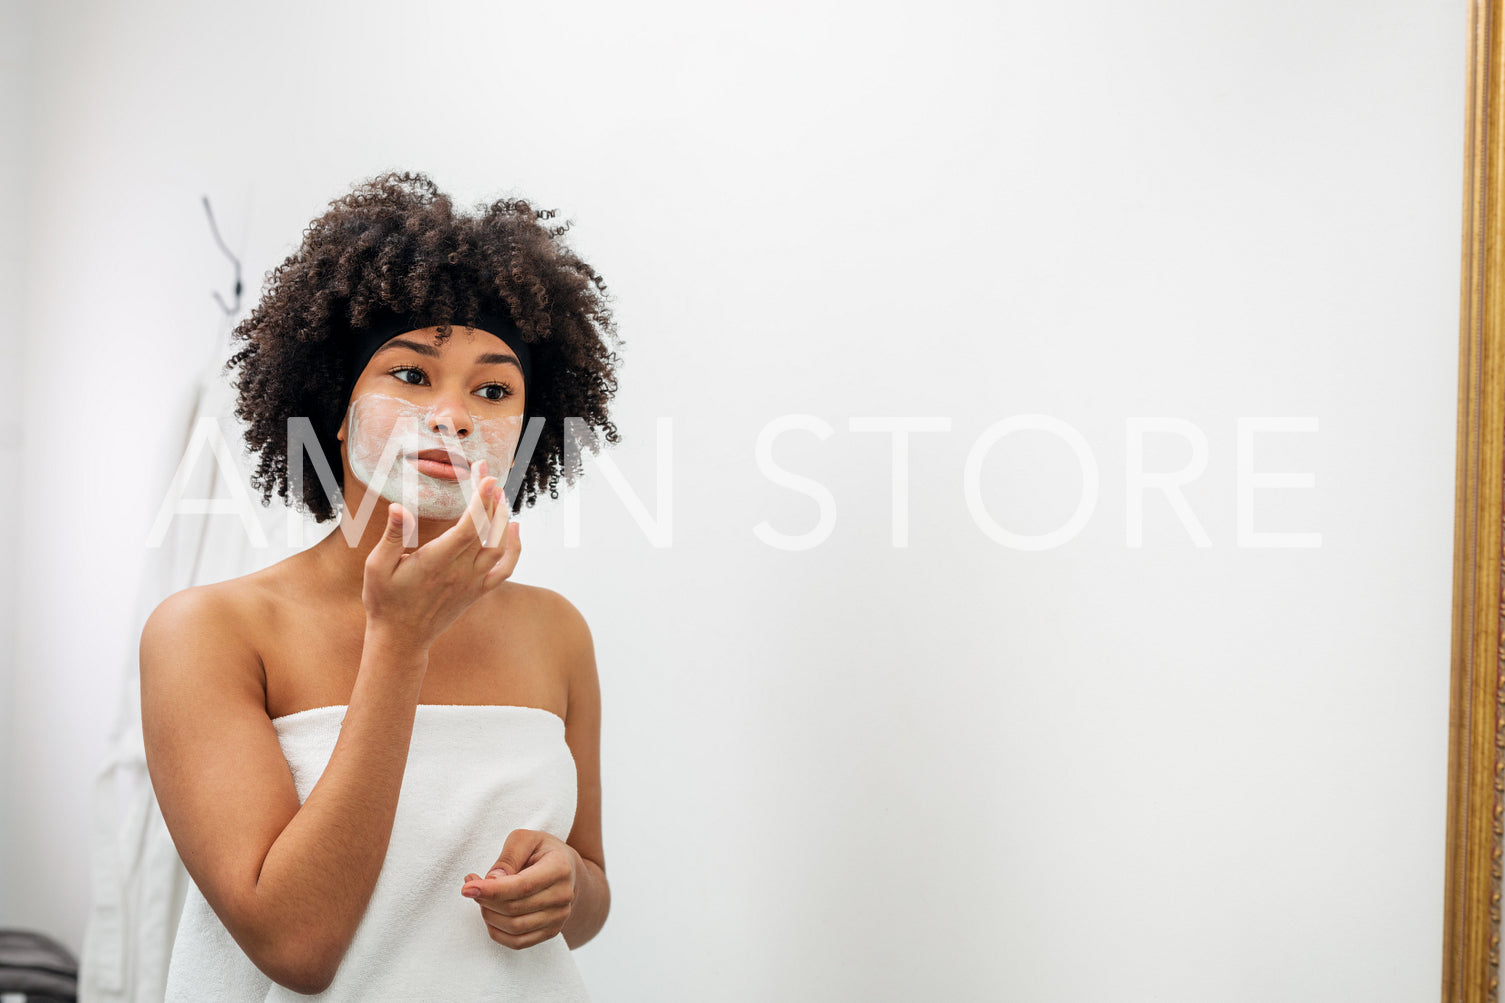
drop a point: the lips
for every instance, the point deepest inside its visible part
(444, 457)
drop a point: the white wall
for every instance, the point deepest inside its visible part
(951, 770)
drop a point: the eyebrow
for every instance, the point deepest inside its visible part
(490, 358)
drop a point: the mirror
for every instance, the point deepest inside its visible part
(1476, 769)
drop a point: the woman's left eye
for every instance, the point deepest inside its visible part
(502, 391)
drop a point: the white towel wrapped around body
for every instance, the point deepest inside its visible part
(474, 773)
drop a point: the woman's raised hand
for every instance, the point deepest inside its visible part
(416, 596)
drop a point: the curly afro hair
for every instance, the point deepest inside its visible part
(395, 242)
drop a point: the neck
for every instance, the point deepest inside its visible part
(342, 554)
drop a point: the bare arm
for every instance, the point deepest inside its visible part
(542, 886)
(583, 734)
(290, 882)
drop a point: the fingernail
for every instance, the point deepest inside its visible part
(472, 893)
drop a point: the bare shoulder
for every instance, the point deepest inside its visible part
(564, 612)
(561, 635)
(223, 607)
(552, 613)
(240, 611)
(193, 611)
(575, 649)
(204, 637)
(558, 619)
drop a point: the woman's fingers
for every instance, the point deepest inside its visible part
(482, 512)
(479, 510)
(511, 551)
(471, 528)
(388, 550)
(444, 577)
(501, 518)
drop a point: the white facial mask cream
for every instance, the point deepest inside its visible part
(386, 434)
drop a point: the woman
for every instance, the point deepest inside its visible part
(343, 743)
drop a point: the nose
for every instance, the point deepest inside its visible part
(449, 418)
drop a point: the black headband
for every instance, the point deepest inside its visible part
(385, 325)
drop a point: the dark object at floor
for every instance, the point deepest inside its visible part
(37, 966)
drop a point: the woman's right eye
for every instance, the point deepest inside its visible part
(408, 369)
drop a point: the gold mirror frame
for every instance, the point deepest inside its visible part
(1471, 901)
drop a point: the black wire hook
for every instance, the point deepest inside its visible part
(230, 311)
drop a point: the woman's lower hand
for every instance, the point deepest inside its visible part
(418, 595)
(526, 897)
